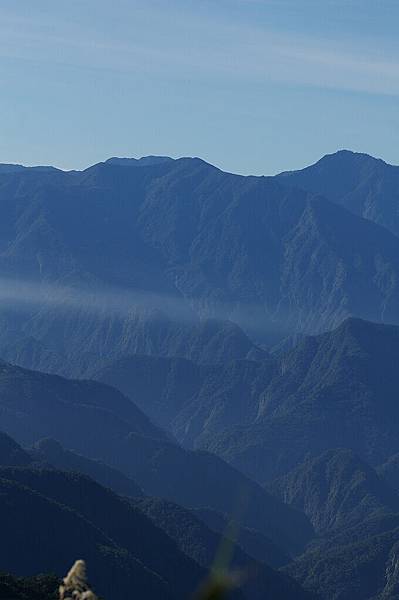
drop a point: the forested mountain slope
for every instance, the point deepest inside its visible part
(100, 423)
(48, 515)
(338, 389)
(336, 490)
(119, 259)
(356, 516)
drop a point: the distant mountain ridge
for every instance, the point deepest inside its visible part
(233, 344)
(177, 241)
(15, 168)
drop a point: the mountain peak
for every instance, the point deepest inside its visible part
(342, 175)
(341, 158)
(144, 161)
(350, 157)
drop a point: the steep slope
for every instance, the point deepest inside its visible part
(335, 390)
(364, 185)
(336, 490)
(160, 386)
(126, 529)
(185, 397)
(356, 516)
(364, 570)
(150, 332)
(99, 422)
(29, 525)
(51, 452)
(123, 547)
(251, 540)
(158, 543)
(173, 241)
(200, 479)
(93, 416)
(203, 545)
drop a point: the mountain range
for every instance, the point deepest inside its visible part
(266, 416)
(196, 365)
(158, 249)
(47, 515)
(98, 422)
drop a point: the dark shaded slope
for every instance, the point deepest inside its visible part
(51, 452)
(41, 587)
(130, 531)
(154, 542)
(251, 540)
(99, 422)
(11, 454)
(203, 545)
(49, 517)
(89, 416)
(39, 535)
(200, 479)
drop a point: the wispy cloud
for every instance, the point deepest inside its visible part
(182, 44)
(34, 297)
(30, 296)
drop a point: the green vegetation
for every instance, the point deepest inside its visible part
(41, 587)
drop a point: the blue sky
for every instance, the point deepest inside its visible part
(253, 86)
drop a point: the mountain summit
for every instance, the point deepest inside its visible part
(366, 186)
(144, 161)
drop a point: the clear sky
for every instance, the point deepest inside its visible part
(253, 86)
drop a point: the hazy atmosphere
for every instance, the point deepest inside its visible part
(199, 300)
